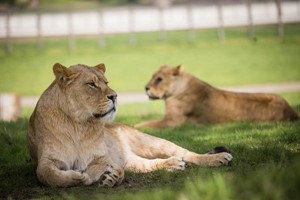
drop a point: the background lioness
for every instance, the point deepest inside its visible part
(72, 140)
(188, 99)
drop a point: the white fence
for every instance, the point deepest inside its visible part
(141, 19)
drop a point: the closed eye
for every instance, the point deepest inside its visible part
(92, 85)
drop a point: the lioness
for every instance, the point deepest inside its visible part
(190, 100)
(72, 140)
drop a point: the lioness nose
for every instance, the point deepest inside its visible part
(112, 97)
(147, 88)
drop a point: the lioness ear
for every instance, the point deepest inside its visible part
(62, 74)
(101, 66)
(59, 69)
(177, 70)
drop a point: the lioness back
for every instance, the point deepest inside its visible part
(190, 100)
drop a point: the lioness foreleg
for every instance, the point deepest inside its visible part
(56, 174)
(113, 176)
(105, 172)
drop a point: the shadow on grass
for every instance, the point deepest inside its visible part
(20, 182)
(255, 147)
(297, 108)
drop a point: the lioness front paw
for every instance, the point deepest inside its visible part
(112, 177)
(220, 159)
(174, 163)
(86, 179)
(78, 178)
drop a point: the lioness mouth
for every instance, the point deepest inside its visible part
(153, 98)
(98, 115)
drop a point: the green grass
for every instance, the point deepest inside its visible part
(265, 166)
(235, 61)
(266, 155)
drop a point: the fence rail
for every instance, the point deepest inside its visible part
(141, 19)
(133, 19)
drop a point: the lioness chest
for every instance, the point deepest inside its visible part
(81, 149)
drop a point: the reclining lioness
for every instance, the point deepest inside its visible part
(72, 140)
(190, 100)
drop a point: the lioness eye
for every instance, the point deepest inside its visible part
(158, 80)
(92, 84)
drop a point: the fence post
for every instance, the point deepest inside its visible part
(8, 45)
(72, 41)
(191, 33)
(102, 42)
(250, 19)
(132, 37)
(162, 31)
(10, 107)
(40, 42)
(280, 30)
(221, 32)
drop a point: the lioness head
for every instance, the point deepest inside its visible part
(84, 93)
(164, 82)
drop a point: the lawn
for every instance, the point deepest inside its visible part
(265, 166)
(235, 61)
(266, 155)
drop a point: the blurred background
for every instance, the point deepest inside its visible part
(74, 18)
(232, 44)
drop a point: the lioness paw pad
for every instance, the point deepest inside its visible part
(107, 180)
(111, 177)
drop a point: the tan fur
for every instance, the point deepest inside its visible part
(190, 100)
(72, 140)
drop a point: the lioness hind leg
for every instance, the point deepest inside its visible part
(212, 160)
(151, 147)
(157, 123)
(138, 164)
